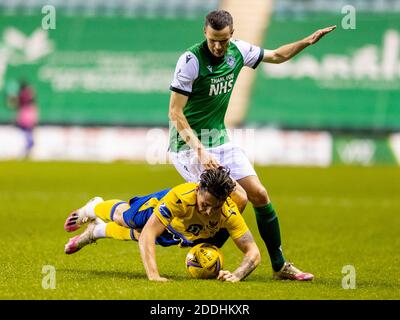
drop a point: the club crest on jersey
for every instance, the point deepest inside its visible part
(195, 229)
(230, 60)
(212, 224)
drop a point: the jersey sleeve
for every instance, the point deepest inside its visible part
(168, 208)
(252, 55)
(234, 222)
(186, 71)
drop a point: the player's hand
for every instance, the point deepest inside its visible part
(314, 38)
(207, 160)
(225, 275)
(159, 279)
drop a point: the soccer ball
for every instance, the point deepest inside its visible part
(204, 261)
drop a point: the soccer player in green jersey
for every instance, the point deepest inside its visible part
(201, 88)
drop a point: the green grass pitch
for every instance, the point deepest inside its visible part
(329, 218)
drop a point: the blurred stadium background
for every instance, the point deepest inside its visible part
(102, 78)
(102, 84)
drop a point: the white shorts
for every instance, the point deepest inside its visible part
(228, 155)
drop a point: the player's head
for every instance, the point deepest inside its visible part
(214, 187)
(22, 84)
(218, 30)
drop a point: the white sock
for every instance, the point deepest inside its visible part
(89, 209)
(99, 230)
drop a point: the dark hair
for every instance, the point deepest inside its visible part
(23, 84)
(219, 19)
(217, 182)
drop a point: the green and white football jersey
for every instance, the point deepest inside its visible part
(208, 82)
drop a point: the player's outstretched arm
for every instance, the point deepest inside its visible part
(250, 261)
(288, 51)
(152, 229)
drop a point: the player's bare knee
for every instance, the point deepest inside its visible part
(119, 214)
(258, 197)
(242, 204)
(239, 196)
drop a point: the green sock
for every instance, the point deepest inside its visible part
(268, 226)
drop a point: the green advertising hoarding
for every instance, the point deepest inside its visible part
(95, 70)
(348, 80)
(113, 70)
(362, 150)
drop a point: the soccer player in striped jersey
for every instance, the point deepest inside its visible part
(201, 88)
(185, 215)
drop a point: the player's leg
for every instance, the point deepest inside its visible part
(99, 230)
(80, 216)
(133, 215)
(96, 208)
(112, 210)
(115, 231)
(239, 196)
(243, 172)
(119, 216)
(186, 164)
(267, 220)
(268, 227)
(81, 240)
(28, 133)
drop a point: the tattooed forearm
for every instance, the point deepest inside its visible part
(252, 256)
(247, 266)
(246, 239)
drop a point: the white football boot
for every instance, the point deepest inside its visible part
(79, 217)
(78, 242)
